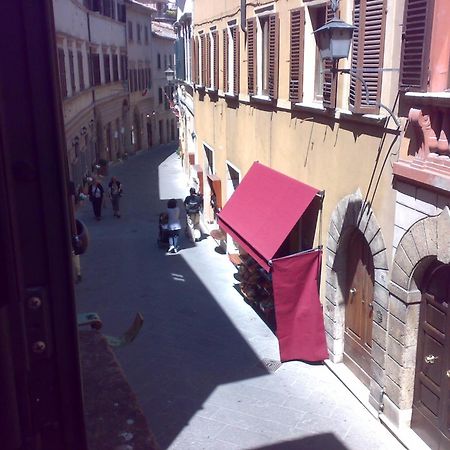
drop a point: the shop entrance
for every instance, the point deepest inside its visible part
(430, 413)
(358, 307)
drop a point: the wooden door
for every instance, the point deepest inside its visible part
(358, 307)
(431, 414)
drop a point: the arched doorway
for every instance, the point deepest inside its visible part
(430, 411)
(359, 307)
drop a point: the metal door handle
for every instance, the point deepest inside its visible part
(352, 291)
(431, 359)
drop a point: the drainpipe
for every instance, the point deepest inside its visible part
(243, 15)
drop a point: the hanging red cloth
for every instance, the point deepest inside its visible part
(298, 311)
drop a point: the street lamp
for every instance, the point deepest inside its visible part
(334, 39)
(170, 74)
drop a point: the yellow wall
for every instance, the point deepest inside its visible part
(334, 152)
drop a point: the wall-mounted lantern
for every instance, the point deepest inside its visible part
(170, 74)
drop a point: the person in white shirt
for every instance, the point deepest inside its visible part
(173, 225)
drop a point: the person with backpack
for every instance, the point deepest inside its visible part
(193, 204)
(115, 192)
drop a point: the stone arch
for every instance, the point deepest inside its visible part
(352, 213)
(425, 242)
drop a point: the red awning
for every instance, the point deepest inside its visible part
(263, 210)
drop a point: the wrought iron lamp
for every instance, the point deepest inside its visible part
(170, 74)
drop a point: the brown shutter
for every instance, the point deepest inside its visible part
(80, 70)
(274, 50)
(208, 61)
(251, 57)
(72, 72)
(236, 59)
(225, 60)
(204, 62)
(215, 36)
(367, 54)
(297, 55)
(416, 42)
(193, 61)
(329, 79)
(115, 66)
(62, 72)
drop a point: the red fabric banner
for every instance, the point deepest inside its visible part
(298, 311)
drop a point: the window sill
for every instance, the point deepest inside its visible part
(264, 99)
(231, 96)
(313, 107)
(374, 119)
(212, 91)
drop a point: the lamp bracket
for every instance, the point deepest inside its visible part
(334, 5)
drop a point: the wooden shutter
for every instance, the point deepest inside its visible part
(204, 52)
(367, 54)
(208, 61)
(215, 36)
(106, 68)
(297, 55)
(80, 69)
(274, 50)
(225, 60)
(194, 60)
(62, 72)
(72, 72)
(115, 67)
(329, 79)
(251, 56)
(236, 59)
(416, 41)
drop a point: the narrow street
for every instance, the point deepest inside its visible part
(200, 366)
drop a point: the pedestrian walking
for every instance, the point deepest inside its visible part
(115, 192)
(193, 204)
(173, 225)
(96, 192)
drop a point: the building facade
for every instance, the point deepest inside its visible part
(185, 92)
(139, 42)
(262, 93)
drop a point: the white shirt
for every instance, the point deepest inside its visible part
(174, 218)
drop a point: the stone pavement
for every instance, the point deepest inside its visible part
(202, 367)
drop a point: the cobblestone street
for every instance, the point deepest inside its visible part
(201, 365)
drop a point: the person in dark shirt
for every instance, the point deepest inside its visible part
(193, 204)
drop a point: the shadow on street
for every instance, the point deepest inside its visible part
(187, 346)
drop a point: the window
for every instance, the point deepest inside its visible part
(138, 32)
(80, 69)
(121, 13)
(203, 60)
(146, 34)
(72, 72)
(367, 54)
(231, 60)
(297, 55)
(130, 30)
(318, 18)
(106, 66)
(159, 60)
(263, 46)
(195, 60)
(107, 8)
(95, 59)
(62, 72)
(165, 61)
(160, 96)
(115, 67)
(416, 43)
